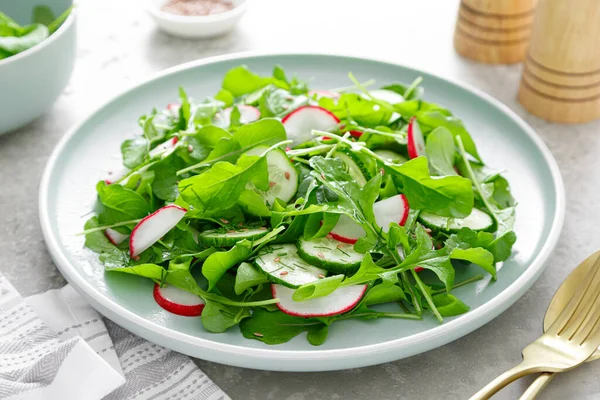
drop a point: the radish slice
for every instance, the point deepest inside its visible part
(302, 121)
(247, 114)
(153, 227)
(346, 230)
(341, 300)
(387, 95)
(356, 134)
(174, 108)
(393, 209)
(178, 301)
(114, 175)
(115, 237)
(416, 143)
(323, 93)
(163, 147)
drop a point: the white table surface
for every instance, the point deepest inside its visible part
(119, 45)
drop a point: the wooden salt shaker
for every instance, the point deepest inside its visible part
(561, 76)
(494, 31)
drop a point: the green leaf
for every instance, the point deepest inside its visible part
(253, 203)
(152, 271)
(217, 264)
(385, 292)
(450, 196)
(449, 306)
(267, 131)
(240, 81)
(436, 119)
(134, 151)
(127, 202)
(246, 277)
(225, 96)
(217, 317)
(97, 241)
(477, 256)
(29, 37)
(440, 149)
(54, 25)
(276, 327)
(165, 177)
(220, 187)
(42, 15)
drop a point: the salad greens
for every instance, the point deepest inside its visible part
(278, 234)
(15, 38)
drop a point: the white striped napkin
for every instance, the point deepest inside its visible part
(55, 346)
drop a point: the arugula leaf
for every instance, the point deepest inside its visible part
(277, 327)
(28, 37)
(152, 271)
(253, 203)
(441, 151)
(240, 81)
(217, 264)
(166, 180)
(246, 277)
(450, 196)
(134, 151)
(42, 15)
(97, 241)
(385, 292)
(436, 119)
(220, 187)
(54, 25)
(266, 131)
(448, 305)
(356, 108)
(217, 317)
(126, 202)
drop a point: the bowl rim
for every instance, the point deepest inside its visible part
(46, 42)
(236, 11)
(223, 352)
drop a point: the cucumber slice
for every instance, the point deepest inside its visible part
(391, 156)
(282, 265)
(228, 238)
(330, 254)
(283, 177)
(477, 220)
(361, 168)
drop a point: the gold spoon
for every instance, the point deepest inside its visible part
(573, 283)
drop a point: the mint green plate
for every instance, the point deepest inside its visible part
(67, 195)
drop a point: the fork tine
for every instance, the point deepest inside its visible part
(590, 326)
(581, 316)
(567, 313)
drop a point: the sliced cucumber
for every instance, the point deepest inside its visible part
(477, 220)
(330, 254)
(361, 168)
(282, 265)
(391, 156)
(283, 177)
(228, 238)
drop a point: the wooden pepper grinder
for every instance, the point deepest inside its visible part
(561, 76)
(494, 31)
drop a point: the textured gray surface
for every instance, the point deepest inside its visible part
(118, 45)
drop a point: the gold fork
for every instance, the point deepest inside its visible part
(569, 341)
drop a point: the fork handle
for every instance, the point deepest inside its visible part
(537, 386)
(507, 377)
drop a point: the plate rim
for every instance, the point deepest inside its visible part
(245, 356)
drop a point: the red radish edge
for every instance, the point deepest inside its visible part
(132, 251)
(309, 107)
(415, 139)
(114, 237)
(406, 210)
(185, 310)
(343, 239)
(356, 134)
(295, 314)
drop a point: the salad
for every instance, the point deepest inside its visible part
(281, 209)
(15, 38)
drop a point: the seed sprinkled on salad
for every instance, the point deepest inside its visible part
(339, 200)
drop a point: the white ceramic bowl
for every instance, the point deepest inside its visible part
(31, 81)
(196, 26)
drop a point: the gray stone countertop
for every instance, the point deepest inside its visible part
(119, 45)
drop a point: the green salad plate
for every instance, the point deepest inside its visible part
(505, 142)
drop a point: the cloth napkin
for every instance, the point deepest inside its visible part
(55, 346)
